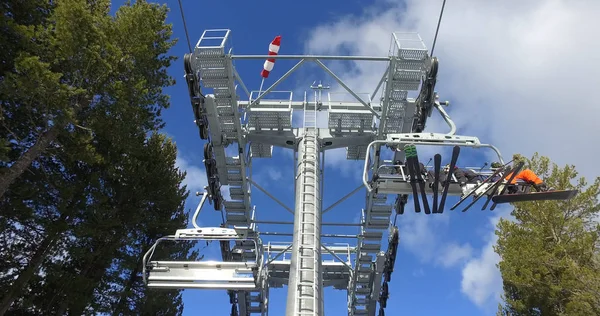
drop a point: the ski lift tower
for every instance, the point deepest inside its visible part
(365, 127)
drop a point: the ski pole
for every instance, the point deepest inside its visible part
(484, 165)
(427, 165)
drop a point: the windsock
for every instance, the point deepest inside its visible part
(273, 50)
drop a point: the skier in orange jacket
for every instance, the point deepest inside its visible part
(527, 176)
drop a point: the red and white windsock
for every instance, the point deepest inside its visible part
(273, 50)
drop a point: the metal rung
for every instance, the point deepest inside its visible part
(255, 309)
(361, 301)
(256, 298)
(236, 191)
(372, 236)
(365, 276)
(377, 223)
(370, 247)
(380, 201)
(201, 275)
(236, 218)
(382, 208)
(363, 290)
(234, 177)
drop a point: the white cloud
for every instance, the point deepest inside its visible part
(423, 236)
(419, 234)
(274, 174)
(417, 273)
(454, 254)
(225, 192)
(529, 63)
(336, 159)
(195, 178)
(268, 176)
(481, 279)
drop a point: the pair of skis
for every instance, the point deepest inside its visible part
(492, 189)
(493, 193)
(500, 197)
(414, 171)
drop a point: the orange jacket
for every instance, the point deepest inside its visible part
(525, 175)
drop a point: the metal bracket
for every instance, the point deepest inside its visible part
(199, 207)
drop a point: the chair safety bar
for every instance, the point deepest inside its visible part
(205, 274)
(429, 139)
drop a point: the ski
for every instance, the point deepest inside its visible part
(485, 181)
(484, 193)
(512, 177)
(413, 179)
(455, 153)
(535, 196)
(437, 165)
(419, 177)
(496, 186)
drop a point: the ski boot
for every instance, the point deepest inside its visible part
(542, 187)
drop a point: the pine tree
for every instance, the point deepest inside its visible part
(549, 253)
(75, 69)
(91, 183)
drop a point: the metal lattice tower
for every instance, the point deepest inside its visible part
(365, 126)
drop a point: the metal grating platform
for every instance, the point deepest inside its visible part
(270, 119)
(258, 150)
(356, 152)
(350, 120)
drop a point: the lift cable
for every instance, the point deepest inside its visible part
(438, 27)
(187, 36)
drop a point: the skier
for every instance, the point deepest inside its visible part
(467, 179)
(528, 177)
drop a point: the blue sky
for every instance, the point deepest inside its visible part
(445, 264)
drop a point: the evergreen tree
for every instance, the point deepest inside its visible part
(63, 75)
(86, 184)
(549, 254)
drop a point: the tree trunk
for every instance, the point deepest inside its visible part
(28, 272)
(17, 169)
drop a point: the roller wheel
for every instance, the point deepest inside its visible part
(187, 63)
(395, 235)
(203, 131)
(434, 68)
(400, 203)
(208, 151)
(218, 203)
